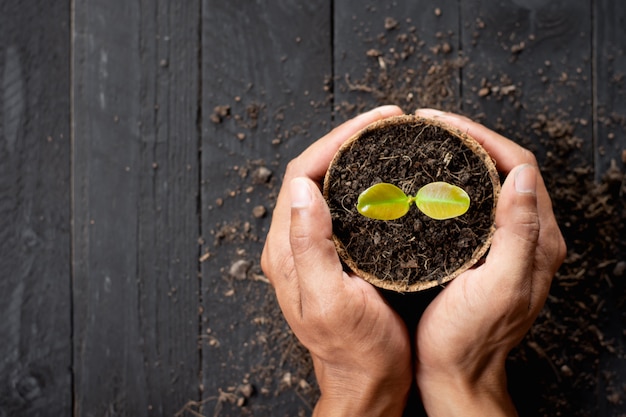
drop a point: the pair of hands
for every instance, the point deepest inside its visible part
(360, 347)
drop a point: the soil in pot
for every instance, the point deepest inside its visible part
(413, 252)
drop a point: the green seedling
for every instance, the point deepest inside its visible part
(438, 200)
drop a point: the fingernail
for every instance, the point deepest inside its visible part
(300, 193)
(384, 111)
(526, 179)
(429, 112)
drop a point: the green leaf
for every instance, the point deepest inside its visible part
(440, 200)
(383, 202)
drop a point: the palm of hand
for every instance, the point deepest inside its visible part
(471, 326)
(368, 337)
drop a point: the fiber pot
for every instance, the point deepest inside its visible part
(414, 252)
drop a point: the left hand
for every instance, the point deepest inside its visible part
(359, 345)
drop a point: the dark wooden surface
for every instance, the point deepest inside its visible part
(135, 171)
(130, 281)
(35, 195)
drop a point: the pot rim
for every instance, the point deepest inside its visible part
(468, 141)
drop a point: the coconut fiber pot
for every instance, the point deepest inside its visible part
(414, 252)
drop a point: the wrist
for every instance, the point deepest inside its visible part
(448, 394)
(359, 398)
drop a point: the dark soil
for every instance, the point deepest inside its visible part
(415, 248)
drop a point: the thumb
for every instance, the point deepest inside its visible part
(514, 243)
(317, 264)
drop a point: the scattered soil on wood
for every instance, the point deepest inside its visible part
(415, 251)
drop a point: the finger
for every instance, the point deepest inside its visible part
(506, 153)
(320, 274)
(512, 254)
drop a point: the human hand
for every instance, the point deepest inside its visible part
(359, 345)
(466, 333)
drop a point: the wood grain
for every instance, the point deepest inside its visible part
(35, 303)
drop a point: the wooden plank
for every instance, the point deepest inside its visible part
(405, 53)
(610, 71)
(135, 207)
(35, 303)
(402, 52)
(264, 68)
